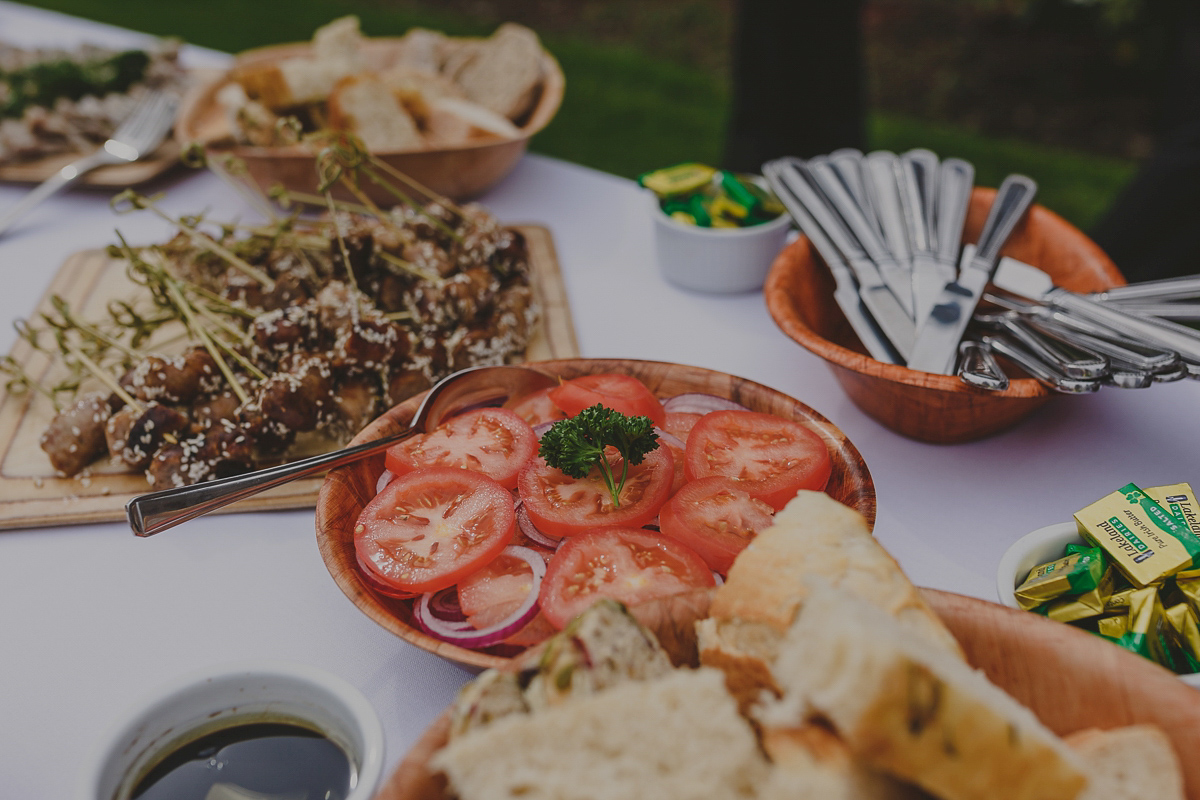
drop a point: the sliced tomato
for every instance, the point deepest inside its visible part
(626, 564)
(680, 423)
(537, 408)
(619, 392)
(770, 457)
(560, 505)
(716, 518)
(431, 527)
(494, 592)
(494, 441)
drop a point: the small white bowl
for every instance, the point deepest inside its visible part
(163, 721)
(717, 260)
(1043, 545)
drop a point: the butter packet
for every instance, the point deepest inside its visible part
(1113, 627)
(1179, 501)
(1091, 603)
(1147, 635)
(1074, 573)
(1185, 635)
(1144, 541)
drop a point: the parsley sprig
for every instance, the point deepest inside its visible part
(576, 445)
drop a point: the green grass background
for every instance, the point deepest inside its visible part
(626, 109)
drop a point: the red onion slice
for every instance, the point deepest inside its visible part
(700, 403)
(384, 479)
(444, 605)
(456, 633)
(542, 427)
(669, 439)
(531, 531)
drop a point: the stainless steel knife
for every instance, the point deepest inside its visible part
(896, 278)
(846, 291)
(1161, 291)
(955, 180)
(879, 171)
(883, 306)
(917, 182)
(941, 331)
(1025, 280)
(847, 162)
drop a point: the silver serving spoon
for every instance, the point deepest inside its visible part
(469, 388)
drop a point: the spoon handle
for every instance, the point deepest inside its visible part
(154, 512)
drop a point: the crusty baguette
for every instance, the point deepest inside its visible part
(363, 105)
(678, 737)
(811, 763)
(1131, 763)
(916, 712)
(814, 537)
(504, 72)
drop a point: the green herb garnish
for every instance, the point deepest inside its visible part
(577, 444)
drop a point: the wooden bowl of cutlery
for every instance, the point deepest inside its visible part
(931, 408)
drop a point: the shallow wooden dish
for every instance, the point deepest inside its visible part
(348, 489)
(459, 173)
(932, 408)
(1071, 679)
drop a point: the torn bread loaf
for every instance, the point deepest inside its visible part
(914, 711)
(814, 537)
(365, 106)
(678, 737)
(811, 763)
(1136, 762)
(503, 72)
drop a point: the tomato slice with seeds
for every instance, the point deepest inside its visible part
(494, 441)
(537, 408)
(680, 423)
(489, 596)
(716, 518)
(431, 527)
(627, 564)
(560, 505)
(771, 458)
(619, 392)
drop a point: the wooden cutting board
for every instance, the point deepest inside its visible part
(32, 496)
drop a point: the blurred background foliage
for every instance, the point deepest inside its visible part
(1062, 90)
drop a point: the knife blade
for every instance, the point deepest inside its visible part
(942, 330)
(883, 306)
(894, 276)
(846, 291)
(1025, 280)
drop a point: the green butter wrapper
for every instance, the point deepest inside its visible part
(1091, 603)
(1070, 575)
(1147, 635)
(1184, 631)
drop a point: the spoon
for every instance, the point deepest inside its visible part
(469, 388)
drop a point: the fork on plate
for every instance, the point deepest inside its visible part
(139, 135)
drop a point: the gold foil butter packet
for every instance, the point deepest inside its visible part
(1074, 573)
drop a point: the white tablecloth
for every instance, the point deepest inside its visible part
(92, 617)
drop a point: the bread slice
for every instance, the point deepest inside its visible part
(814, 537)
(340, 44)
(812, 762)
(504, 72)
(915, 711)
(678, 737)
(454, 122)
(421, 49)
(1131, 763)
(363, 105)
(417, 89)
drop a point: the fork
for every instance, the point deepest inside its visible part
(140, 134)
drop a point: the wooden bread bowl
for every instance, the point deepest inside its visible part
(459, 173)
(346, 490)
(1071, 679)
(931, 408)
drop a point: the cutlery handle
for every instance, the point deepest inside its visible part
(879, 179)
(1037, 369)
(1186, 343)
(1184, 288)
(841, 199)
(52, 185)
(847, 163)
(956, 178)
(790, 172)
(977, 367)
(1013, 199)
(151, 513)
(917, 198)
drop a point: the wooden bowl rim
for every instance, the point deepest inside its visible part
(202, 98)
(396, 419)
(781, 309)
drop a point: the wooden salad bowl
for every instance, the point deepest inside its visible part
(1071, 679)
(348, 489)
(459, 173)
(931, 408)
